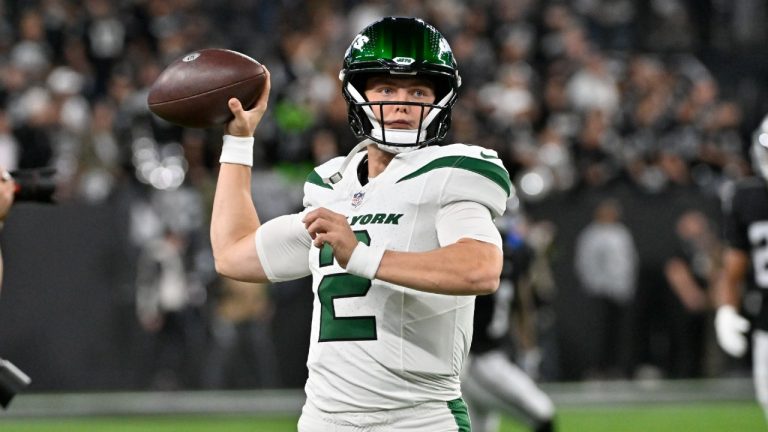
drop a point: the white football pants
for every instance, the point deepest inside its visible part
(492, 384)
(429, 416)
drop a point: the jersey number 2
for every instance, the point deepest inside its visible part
(343, 285)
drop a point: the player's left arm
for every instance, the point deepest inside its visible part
(730, 326)
(728, 286)
(467, 267)
(469, 263)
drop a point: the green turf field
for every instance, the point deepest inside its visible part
(699, 417)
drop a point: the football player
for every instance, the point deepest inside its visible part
(398, 237)
(491, 382)
(746, 235)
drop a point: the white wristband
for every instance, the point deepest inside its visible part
(365, 260)
(237, 150)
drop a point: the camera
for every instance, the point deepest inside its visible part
(35, 184)
(12, 381)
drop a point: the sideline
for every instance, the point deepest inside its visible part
(289, 402)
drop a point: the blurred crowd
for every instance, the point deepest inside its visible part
(576, 97)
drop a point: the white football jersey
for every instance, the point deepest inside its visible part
(376, 345)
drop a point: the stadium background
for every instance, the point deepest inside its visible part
(649, 103)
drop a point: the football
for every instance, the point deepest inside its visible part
(193, 91)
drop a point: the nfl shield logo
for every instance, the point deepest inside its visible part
(357, 199)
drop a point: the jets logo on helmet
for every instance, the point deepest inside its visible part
(403, 60)
(445, 49)
(359, 42)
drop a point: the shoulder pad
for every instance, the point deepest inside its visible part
(314, 187)
(476, 174)
(316, 176)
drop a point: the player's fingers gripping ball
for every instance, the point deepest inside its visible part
(245, 121)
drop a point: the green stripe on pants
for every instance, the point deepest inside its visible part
(459, 410)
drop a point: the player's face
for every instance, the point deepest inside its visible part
(386, 88)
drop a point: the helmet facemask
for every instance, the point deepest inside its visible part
(366, 123)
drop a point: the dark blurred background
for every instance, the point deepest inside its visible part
(617, 119)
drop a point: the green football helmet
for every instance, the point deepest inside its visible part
(400, 46)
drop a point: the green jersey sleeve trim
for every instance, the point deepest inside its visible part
(486, 169)
(315, 179)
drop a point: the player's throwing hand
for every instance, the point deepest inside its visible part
(245, 122)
